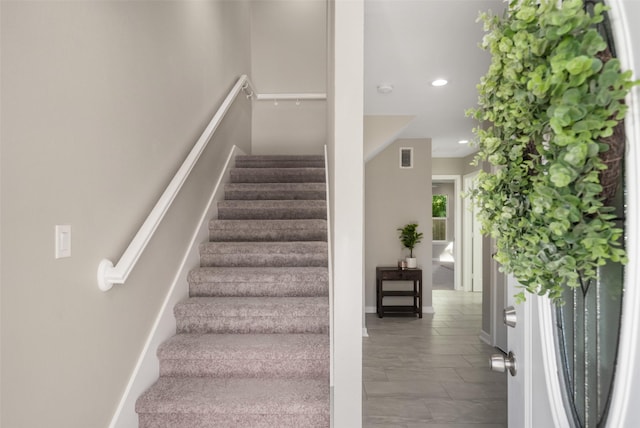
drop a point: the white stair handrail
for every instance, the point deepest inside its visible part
(108, 274)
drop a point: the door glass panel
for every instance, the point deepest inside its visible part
(588, 325)
(588, 331)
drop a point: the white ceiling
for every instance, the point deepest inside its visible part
(409, 43)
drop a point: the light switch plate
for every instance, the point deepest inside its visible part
(63, 241)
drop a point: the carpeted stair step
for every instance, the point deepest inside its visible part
(277, 175)
(246, 355)
(280, 161)
(271, 191)
(230, 403)
(252, 343)
(257, 254)
(259, 282)
(253, 315)
(271, 210)
(268, 230)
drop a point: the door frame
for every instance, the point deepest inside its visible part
(520, 337)
(457, 225)
(499, 301)
(544, 387)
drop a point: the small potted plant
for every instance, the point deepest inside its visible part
(409, 236)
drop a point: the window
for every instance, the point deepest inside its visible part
(439, 214)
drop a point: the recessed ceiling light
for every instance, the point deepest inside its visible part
(463, 141)
(385, 88)
(439, 82)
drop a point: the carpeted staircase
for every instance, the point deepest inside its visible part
(252, 343)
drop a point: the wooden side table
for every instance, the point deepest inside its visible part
(395, 274)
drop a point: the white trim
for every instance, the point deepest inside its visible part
(486, 338)
(365, 333)
(498, 302)
(528, 362)
(330, 263)
(108, 274)
(467, 271)
(550, 363)
(457, 226)
(622, 412)
(520, 386)
(146, 369)
(494, 305)
(346, 19)
(331, 406)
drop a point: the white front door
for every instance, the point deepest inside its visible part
(534, 388)
(624, 411)
(519, 345)
(498, 303)
(535, 393)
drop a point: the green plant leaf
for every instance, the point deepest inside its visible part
(592, 42)
(579, 65)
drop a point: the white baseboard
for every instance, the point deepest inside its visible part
(486, 338)
(147, 369)
(365, 333)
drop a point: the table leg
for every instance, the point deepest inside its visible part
(420, 299)
(415, 296)
(379, 298)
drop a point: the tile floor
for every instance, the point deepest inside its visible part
(432, 372)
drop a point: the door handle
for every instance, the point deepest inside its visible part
(509, 316)
(500, 363)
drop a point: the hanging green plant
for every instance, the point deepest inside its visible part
(549, 103)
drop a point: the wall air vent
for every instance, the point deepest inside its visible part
(406, 157)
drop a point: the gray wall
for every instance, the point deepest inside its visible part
(467, 167)
(448, 166)
(393, 198)
(289, 55)
(101, 101)
(454, 166)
